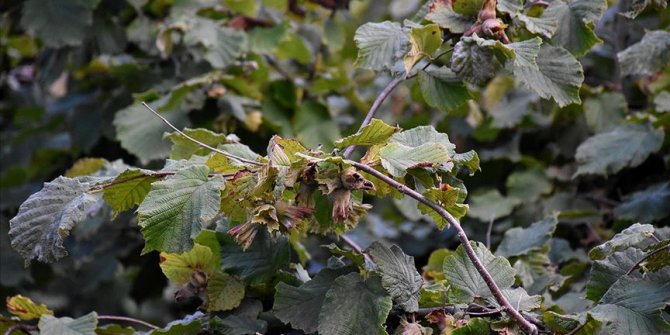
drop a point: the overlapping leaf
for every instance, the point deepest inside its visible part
(648, 56)
(377, 132)
(380, 45)
(399, 275)
(85, 325)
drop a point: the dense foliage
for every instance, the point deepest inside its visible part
(202, 165)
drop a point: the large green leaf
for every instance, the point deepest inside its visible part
(399, 275)
(45, 219)
(605, 111)
(627, 238)
(397, 158)
(242, 321)
(128, 189)
(508, 104)
(354, 306)
(183, 148)
(140, 132)
(632, 307)
(176, 209)
(178, 268)
(575, 24)
(528, 185)
(625, 146)
(377, 132)
(224, 292)
(491, 205)
(648, 205)
(380, 45)
(314, 125)
(448, 197)
(466, 282)
(476, 60)
(607, 271)
(442, 89)
(85, 325)
(443, 14)
(519, 241)
(558, 75)
(58, 23)
(300, 306)
(190, 325)
(648, 56)
(222, 45)
(260, 261)
(545, 24)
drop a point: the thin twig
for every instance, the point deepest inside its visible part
(203, 145)
(354, 246)
(371, 113)
(465, 241)
(651, 253)
(127, 319)
(489, 229)
(27, 329)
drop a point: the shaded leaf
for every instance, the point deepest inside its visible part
(190, 325)
(397, 158)
(260, 261)
(128, 189)
(58, 24)
(399, 275)
(638, 6)
(424, 41)
(476, 60)
(183, 148)
(605, 111)
(448, 198)
(528, 185)
(490, 205)
(648, 205)
(442, 89)
(224, 292)
(627, 145)
(576, 19)
(443, 14)
(519, 241)
(627, 238)
(648, 56)
(45, 219)
(353, 306)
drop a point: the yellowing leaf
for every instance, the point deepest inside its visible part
(25, 308)
(179, 267)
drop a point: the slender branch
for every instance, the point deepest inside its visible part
(203, 145)
(127, 319)
(27, 329)
(375, 106)
(354, 246)
(651, 253)
(489, 229)
(465, 241)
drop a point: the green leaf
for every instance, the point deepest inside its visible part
(45, 219)
(476, 60)
(607, 271)
(420, 135)
(564, 324)
(576, 19)
(397, 158)
(128, 189)
(646, 57)
(558, 75)
(545, 25)
(221, 45)
(520, 241)
(625, 146)
(266, 40)
(638, 6)
(183, 148)
(657, 259)
(243, 321)
(377, 132)
(178, 268)
(632, 306)
(448, 198)
(519, 298)
(424, 41)
(293, 47)
(314, 125)
(58, 24)
(224, 292)
(25, 308)
(353, 306)
(443, 14)
(380, 45)
(85, 325)
(300, 306)
(442, 89)
(140, 132)
(528, 185)
(466, 282)
(662, 102)
(491, 205)
(114, 329)
(648, 205)
(627, 238)
(260, 261)
(85, 167)
(176, 209)
(507, 104)
(605, 111)
(399, 275)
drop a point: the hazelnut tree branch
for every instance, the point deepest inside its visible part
(203, 145)
(127, 319)
(651, 253)
(465, 241)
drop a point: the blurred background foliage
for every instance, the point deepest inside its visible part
(74, 72)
